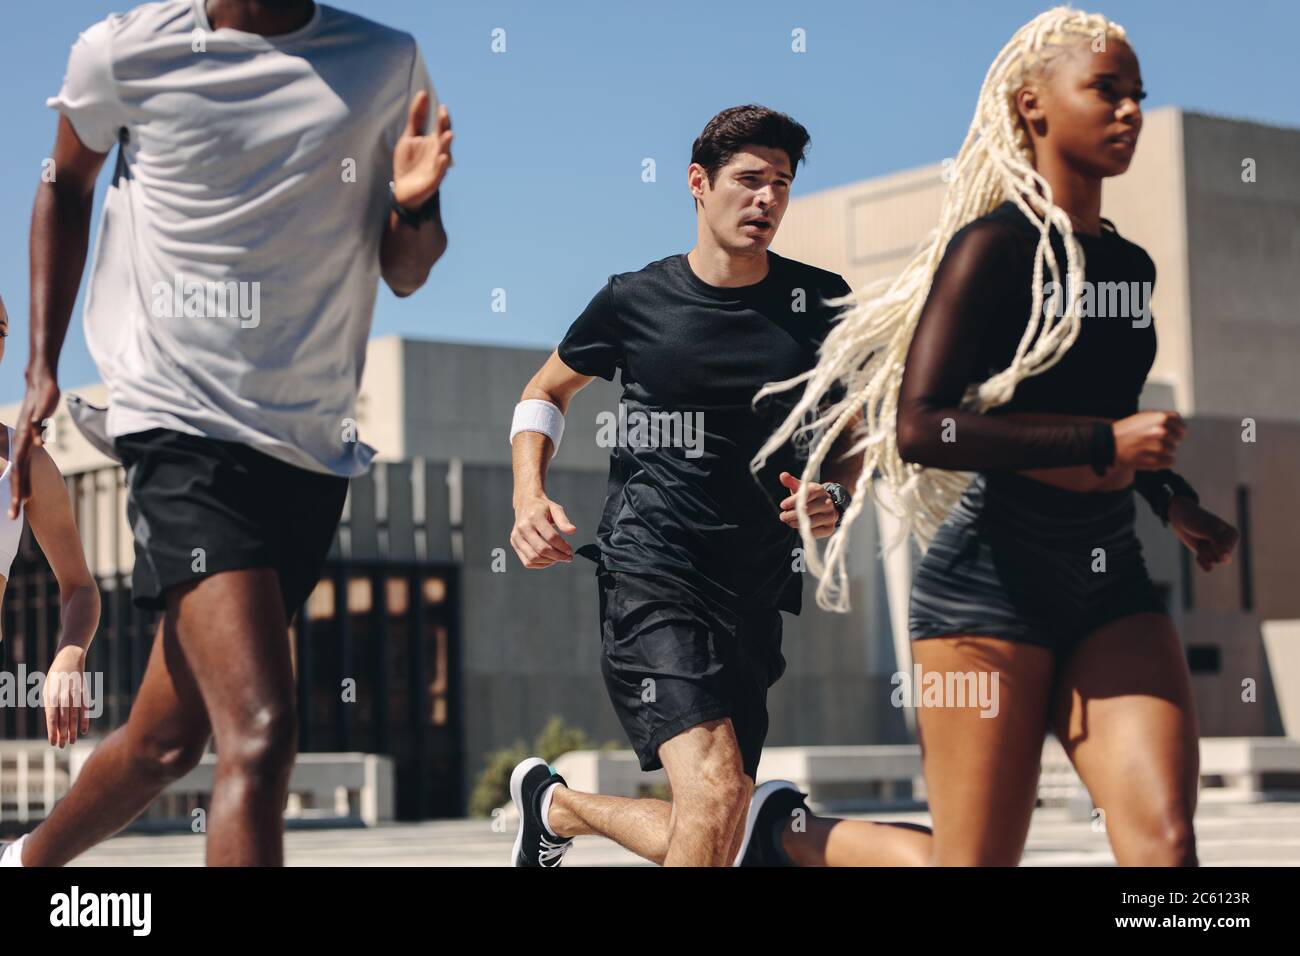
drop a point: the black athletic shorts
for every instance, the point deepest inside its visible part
(198, 506)
(1026, 561)
(673, 659)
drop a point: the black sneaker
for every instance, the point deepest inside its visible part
(535, 845)
(772, 802)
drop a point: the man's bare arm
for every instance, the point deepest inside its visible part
(407, 255)
(536, 536)
(60, 236)
(420, 163)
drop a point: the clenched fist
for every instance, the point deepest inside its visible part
(536, 536)
(1148, 441)
(821, 510)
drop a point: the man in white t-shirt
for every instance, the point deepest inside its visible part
(272, 165)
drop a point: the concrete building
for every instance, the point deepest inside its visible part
(456, 650)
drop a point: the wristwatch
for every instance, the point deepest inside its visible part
(414, 218)
(840, 498)
(1160, 488)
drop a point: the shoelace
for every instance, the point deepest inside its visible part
(552, 851)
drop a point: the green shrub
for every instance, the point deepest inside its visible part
(492, 789)
(493, 786)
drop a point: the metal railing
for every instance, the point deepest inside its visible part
(33, 777)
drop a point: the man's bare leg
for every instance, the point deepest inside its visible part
(164, 737)
(641, 825)
(703, 824)
(710, 794)
(232, 628)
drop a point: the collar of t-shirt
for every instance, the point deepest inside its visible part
(257, 40)
(728, 293)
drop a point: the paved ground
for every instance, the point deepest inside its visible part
(1235, 834)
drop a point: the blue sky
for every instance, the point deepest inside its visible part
(546, 197)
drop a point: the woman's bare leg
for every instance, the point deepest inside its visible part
(827, 841)
(982, 772)
(1124, 712)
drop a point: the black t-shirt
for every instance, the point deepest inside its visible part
(972, 322)
(682, 502)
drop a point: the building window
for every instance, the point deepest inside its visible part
(435, 590)
(1203, 659)
(359, 596)
(399, 596)
(320, 606)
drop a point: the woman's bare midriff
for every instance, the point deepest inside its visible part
(1072, 477)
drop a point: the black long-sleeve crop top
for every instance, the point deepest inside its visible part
(971, 324)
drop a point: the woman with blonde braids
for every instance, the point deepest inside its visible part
(988, 354)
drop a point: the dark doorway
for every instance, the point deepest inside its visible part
(377, 650)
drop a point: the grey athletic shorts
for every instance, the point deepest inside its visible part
(1026, 561)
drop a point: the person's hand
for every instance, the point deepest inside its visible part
(421, 161)
(39, 402)
(67, 697)
(1207, 535)
(536, 535)
(821, 510)
(1148, 441)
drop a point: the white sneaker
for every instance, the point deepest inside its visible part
(11, 854)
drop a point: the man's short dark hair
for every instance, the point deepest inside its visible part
(733, 128)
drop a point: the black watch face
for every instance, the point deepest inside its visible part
(839, 497)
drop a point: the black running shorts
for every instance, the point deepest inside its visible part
(198, 506)
(1026, 561)
(673, 659)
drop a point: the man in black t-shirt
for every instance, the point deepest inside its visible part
(696, 555)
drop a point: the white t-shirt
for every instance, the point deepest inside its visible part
(234, 277)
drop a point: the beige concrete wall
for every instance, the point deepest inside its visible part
(1146, 205)
(378, 420)
(867, 230)
(72, 453)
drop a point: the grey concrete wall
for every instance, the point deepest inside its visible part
(837, 685)
(530, 645)
(531, 640)
(1217, 461)
(1244, 250)
(458, 401)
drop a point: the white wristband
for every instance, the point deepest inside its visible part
(536, 415)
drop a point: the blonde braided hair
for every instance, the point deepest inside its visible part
(865, 350)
